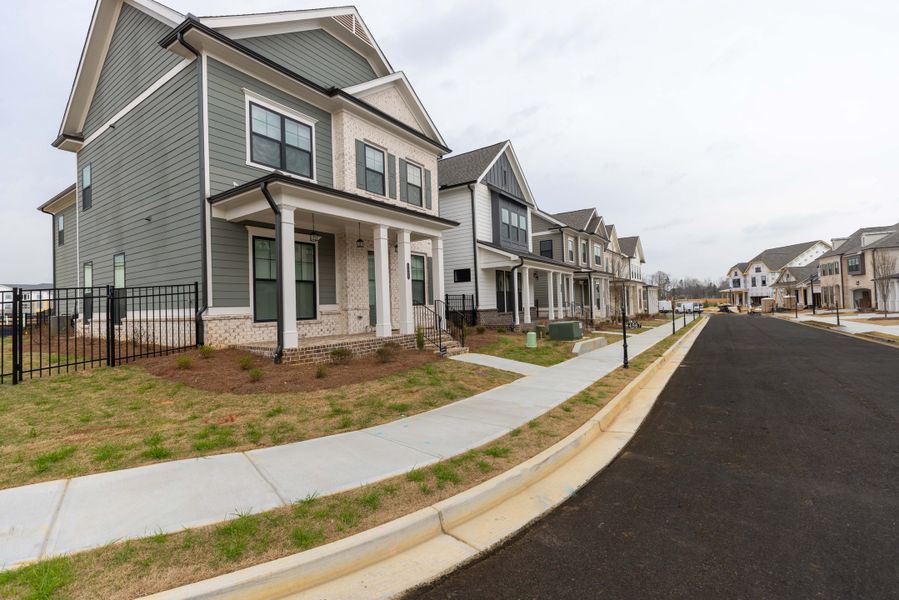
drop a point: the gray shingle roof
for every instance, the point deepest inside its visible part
(466, 167)
(628, 245)
(776, 258)
(741, 266)
(576, 219)
(801, 274)
(594, 227)
(854, 242)
(609, 229)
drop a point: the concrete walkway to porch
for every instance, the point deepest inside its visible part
(59, 517)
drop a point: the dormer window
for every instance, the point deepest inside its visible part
(280, 142)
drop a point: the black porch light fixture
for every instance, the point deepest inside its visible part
(360, 243)
(314, 236)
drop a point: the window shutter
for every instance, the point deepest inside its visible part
(430, 276)
(391, 175)
(360, 164)
(427, 189)
(403, 195)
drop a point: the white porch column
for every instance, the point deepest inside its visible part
(526, 293)
(515, 318)
(404, 276)
(437, 270)
(571, 293)
(289, 279)
(551, 303)
(562, 312)
(383, 328)
(592, 297)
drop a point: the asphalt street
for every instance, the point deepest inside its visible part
(768, 468)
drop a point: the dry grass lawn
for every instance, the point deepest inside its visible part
(140, 567)
(106, 419)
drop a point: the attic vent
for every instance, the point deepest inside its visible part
(354, 26)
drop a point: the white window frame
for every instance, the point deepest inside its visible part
(250, 96)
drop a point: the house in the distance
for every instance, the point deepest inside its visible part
(748, 283)
(851, 270)
(278, 160)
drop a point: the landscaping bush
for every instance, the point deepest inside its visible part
(480, 329)
(206, 351)
(255, 374)
(387, 352)
(321, 371)
(246, 362)
(419, 338)
(184, 362)
(341, 356)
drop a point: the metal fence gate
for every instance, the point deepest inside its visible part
(58, 330)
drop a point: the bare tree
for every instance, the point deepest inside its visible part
(884, 269)
(661, 280)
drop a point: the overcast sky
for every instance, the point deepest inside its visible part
(712, 129)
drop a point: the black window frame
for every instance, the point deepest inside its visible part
(585, 252)
(570, 249)
(410, 186)
(60, 230)
(416, 282)
(753, 282)
(283, 145)
(544, 246)
(461, 275)
(87, 191)
(383, 173)
(859, 265)
(297, 280)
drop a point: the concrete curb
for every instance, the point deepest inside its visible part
(454, 518)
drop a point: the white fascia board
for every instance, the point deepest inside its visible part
(244, 26)
(158, 11)
(400, 82)
(516, 167)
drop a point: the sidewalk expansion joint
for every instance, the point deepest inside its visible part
(55, 517)
(266, 479)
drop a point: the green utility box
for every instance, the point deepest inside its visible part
(565, 330)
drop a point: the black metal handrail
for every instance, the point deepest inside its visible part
(456, 322)
(464, 305)
(429, 323)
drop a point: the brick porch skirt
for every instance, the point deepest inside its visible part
(318, 350)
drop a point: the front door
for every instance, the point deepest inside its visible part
(372, 308)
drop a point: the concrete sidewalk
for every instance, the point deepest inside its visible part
(59, 517)
(851, 326)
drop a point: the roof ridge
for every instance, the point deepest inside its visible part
(460, 154)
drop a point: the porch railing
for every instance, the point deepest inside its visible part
(456, 323)
(430, 324)
(464, 305)
(58, 330)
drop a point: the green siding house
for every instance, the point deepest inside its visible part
(277, 160)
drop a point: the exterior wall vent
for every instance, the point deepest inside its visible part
(351, 23)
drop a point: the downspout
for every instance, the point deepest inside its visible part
(474, 250)
(842, 281)
(279, 349)
(203, 300)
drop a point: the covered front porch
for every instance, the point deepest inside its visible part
(294, 261)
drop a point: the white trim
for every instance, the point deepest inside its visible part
(207, 184)
(134, 103)
(158, 11)
(226, 311)
(252, 231)
(284, 111)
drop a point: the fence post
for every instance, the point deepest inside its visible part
(16, 331)
(110, 327)
(198, 334)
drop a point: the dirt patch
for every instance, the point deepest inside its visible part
(223, 371)
(878, 320)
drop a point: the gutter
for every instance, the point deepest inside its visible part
(279, 349)
(474, 250)
(204, 259)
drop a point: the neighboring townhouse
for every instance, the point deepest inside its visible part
(490, 257)
(794, 287)
(750, 282)
(276, 159)
(632, 249)
(36, 298)
(577, 238)
(848, 271)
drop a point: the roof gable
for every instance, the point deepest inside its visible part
(632, 247)
(577, 219)
(777, 258)
(467, 167)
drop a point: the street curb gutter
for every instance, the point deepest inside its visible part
(858, 336)
(417, 548)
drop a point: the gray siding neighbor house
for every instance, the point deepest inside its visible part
(277, 160)
(491, 256)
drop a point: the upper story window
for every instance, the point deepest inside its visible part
(60, 230)
(512, 228)
(374, 170)
(546, 248)
(583, 252)
(597, 255)
(854, 265)
(570, 250)
(86, 187)
(758, 269)
(413, 184)
(735, 283)
(280, 142)
(764, 280)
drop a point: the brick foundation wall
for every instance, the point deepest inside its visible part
(321, 353)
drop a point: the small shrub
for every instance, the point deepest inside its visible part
(246, 362)
(419, 338)
(387, 352)
(184, 362)
(480, 329)
(206, 351)
(321, 371)
(255, 374)
(341, 356)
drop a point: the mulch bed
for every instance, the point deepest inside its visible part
(222, 372)
(474, 340)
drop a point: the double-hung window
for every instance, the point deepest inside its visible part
(583, 252)
(60, 230)
(86, 187)
(374, 170)
(280, 142)
(597, 255)
(265, 280)
(505, 223)
(413, 184)
(418, 279)
(570, 250)
(546, 248)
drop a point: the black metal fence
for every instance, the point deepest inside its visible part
(59, 330)
(463, 304)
